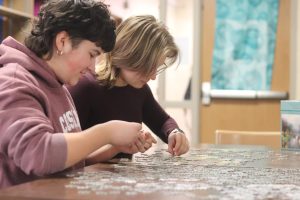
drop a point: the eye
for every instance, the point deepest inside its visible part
(92, 55)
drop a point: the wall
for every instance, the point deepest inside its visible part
(295, 50)
(297, 91)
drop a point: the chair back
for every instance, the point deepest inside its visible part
(266, 138)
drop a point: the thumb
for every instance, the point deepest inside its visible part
(148, 135)
(171, 145)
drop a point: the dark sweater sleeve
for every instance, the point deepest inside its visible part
(82, 96)
(154, 116)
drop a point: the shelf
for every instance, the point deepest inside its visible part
(12, 13)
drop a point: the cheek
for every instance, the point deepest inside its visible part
(130, 76)
(75, 63)
(71, 64)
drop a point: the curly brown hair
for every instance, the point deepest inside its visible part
(81, 19)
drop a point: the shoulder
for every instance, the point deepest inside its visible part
(144, 92)
(14, 74)
(18, 85)
(146, 89)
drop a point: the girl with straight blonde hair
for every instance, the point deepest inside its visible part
(119, 90)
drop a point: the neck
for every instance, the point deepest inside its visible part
(120, 82)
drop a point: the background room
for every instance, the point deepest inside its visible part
(193, 92)
(262, 72)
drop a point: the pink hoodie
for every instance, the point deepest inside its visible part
(35, 111)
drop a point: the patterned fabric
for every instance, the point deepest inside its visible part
(245, 39)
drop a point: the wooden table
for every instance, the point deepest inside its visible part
(206, 172)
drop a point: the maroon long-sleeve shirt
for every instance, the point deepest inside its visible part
(98, 104)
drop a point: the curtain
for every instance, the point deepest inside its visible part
(244, 43)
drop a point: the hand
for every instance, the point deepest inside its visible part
(149, 140)
(178, 143)
(123, 133)
(141, 145)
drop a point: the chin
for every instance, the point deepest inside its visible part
(139, 87)
(72, 82)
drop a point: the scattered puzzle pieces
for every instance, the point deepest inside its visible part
(212, 173)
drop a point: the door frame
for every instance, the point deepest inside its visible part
(194, 103)
(295, 50)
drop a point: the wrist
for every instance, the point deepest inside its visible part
(114, 150)
(108, 132)
(177, 130)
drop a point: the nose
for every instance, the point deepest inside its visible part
(92, 65)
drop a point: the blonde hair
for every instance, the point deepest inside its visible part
(141, 43)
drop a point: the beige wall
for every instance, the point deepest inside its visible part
(295, 50)
(298, 52)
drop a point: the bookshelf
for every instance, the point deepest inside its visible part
(15, 17)
(14, 14)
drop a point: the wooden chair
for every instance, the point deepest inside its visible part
(270, 139)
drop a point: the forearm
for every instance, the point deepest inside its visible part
(87, 141)
(104, 153)
(115, 132)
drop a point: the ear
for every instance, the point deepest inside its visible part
(63, 42)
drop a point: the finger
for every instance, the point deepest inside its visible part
(148, 143)
(141, 136)
(133, 149)
(170, 151)
(171, 144)
(147, 146)
(153, 140)
(140, 145)
(150, 138)
(182, 150)
(142, 139)
(178, 143)
(185, 146)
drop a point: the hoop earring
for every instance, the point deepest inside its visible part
(58, 52)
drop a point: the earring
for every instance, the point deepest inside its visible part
(58, 52)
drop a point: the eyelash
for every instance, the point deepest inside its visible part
(92, 56)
